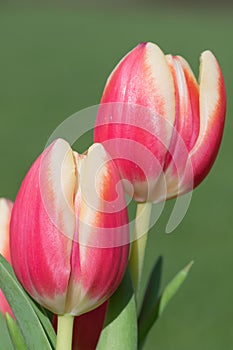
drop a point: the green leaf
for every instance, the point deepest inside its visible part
(120, 329)
(23, 309)
(16, 335)
(151, 295)
(5, 340)
(171, 289)
(45, 318)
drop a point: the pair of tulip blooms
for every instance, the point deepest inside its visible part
(158, 129)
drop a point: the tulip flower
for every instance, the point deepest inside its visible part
(5, 214)
(69, 232)
(161, 126)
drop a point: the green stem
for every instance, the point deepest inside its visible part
(138, 247)
(64, 332)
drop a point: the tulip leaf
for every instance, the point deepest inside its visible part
(120, 329)
(152, 290)
(45, 318)
(5, 338)
(145, 323)
(16, 335)
(173, 287)
(21, 305)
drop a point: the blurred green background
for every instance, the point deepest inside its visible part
(54, 61)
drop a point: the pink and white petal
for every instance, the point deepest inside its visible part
(143, 78)
(5, 215)
(212, 116)
(101, 195)
(42, 224)
(138, 105)
(186, 126)
(100, 251)
(4, 306)
(187, 100)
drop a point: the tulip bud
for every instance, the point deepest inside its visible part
(162, 128)
(69, 233)
(5, 214)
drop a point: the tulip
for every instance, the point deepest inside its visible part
(162, 128)
(5, 214)
(68, 231)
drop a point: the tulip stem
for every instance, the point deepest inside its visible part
(64, 332)
(138, 247)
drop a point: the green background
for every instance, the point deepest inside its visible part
(54, 61)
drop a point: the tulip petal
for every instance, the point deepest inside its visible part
(212, 116)
(187, 100)
(43, 224)
(186, 128)
(138, 107)
(5, 214)
(100, 250)
(142, 78)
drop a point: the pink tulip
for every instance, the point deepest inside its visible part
(162, 127)
(5, 214)
(69, 232)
